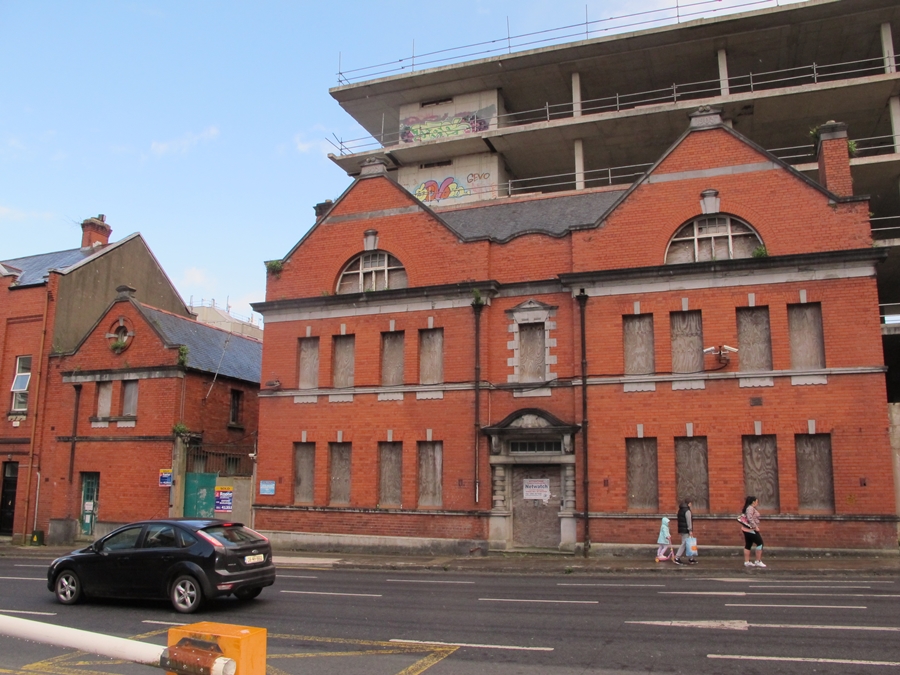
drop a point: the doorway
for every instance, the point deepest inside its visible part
(90, 496)
(8, 497)
(536, 503)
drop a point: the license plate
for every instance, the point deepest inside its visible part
(250, 559)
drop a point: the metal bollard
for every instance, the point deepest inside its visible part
(183, 659)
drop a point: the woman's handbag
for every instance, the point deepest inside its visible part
(690, 546)
(742, 519)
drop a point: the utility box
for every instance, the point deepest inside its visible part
(246, 645)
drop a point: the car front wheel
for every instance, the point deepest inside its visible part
(248, 593)
(68, 587)
(186, 594)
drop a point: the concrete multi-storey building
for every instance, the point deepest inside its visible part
(556, 185)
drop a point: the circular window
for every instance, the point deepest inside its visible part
(120, 335)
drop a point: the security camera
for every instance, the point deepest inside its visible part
(711, 350)
(729, 349)
(252, 455)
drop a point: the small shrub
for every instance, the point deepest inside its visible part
(760, 252)
(182, 355)
(274, 267)
(118, 345)
(180, 429)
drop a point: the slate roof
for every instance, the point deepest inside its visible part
(550, 215)
(209, 349)
(33, 270)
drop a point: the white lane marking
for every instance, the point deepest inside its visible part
(300, 562)
(164, 623)
(743, 625)
(355, 595)
(468, 644)
(427, 581)
(297, 576)
(816, 587)
(561, 602)
(22, 611)
(625, 585)
(749, 594)
(25, 578)
(800, 659)
(803, 606)
(45, 565)
(748, 580)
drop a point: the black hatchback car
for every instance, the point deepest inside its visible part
(185, 560)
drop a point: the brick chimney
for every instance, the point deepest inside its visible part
(95, 232)
(834, 159)
(323, 207)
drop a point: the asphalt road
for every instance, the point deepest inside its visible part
(334, 622)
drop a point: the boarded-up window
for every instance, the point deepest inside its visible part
(807, 337)
(761, 470)
(391, 358)
(638, 337)
(687, 342)
(691, 471)
(104, 399)
(309, 363)
(344, 349)
(340, 473)
(430, 473)
(304, 472)
(129, 398)
(815, 477)
(754, 340)
(643, 487)
(390, 474)
(431, 356)
(531, 352)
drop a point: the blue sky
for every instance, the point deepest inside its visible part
(202, 125)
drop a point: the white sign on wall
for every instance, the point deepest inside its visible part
(536, 488)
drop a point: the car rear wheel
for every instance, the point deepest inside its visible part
(248, 593)
(68, 587)
(186, 594)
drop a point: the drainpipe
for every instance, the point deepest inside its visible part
(582, 303)
(34, 423)
(74, 436)
(477, 306)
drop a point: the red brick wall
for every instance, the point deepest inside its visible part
(791, 217)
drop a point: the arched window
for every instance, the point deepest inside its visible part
(712, 238)
(372, 271)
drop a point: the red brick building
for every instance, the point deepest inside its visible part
(96, 389)
(485, 376)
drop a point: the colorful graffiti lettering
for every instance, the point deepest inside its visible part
(416, 129)
(431, 191)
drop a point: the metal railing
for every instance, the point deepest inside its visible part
(673, 13)
(751, 82)
(889, 312)
(895, 227)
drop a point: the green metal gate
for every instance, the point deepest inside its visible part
(200, 495)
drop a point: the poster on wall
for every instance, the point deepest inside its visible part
(165, 478)
(267, 487)
(224, 498)
(536, 488)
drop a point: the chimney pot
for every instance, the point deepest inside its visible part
(95, 232)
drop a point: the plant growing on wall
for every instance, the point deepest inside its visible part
(182, 355)
(274, 267)
(118, 345)
(180, 429)
(760, 252)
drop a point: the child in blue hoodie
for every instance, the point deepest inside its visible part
(664, 552)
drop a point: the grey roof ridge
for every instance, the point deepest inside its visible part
(740, 137)
(100, 250)
(9, 271)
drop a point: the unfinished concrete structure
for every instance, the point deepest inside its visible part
(599, 111)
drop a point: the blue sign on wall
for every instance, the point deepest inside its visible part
(267, 487)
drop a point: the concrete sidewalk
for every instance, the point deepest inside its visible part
(603, 560)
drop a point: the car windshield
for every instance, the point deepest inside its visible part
(232, 536)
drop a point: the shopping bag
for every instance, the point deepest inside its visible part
(690, 546)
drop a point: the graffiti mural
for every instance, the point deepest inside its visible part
(432, 191)
(414, 129)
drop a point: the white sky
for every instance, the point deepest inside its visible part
(202, 124)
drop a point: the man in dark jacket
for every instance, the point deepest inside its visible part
(686, 530)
